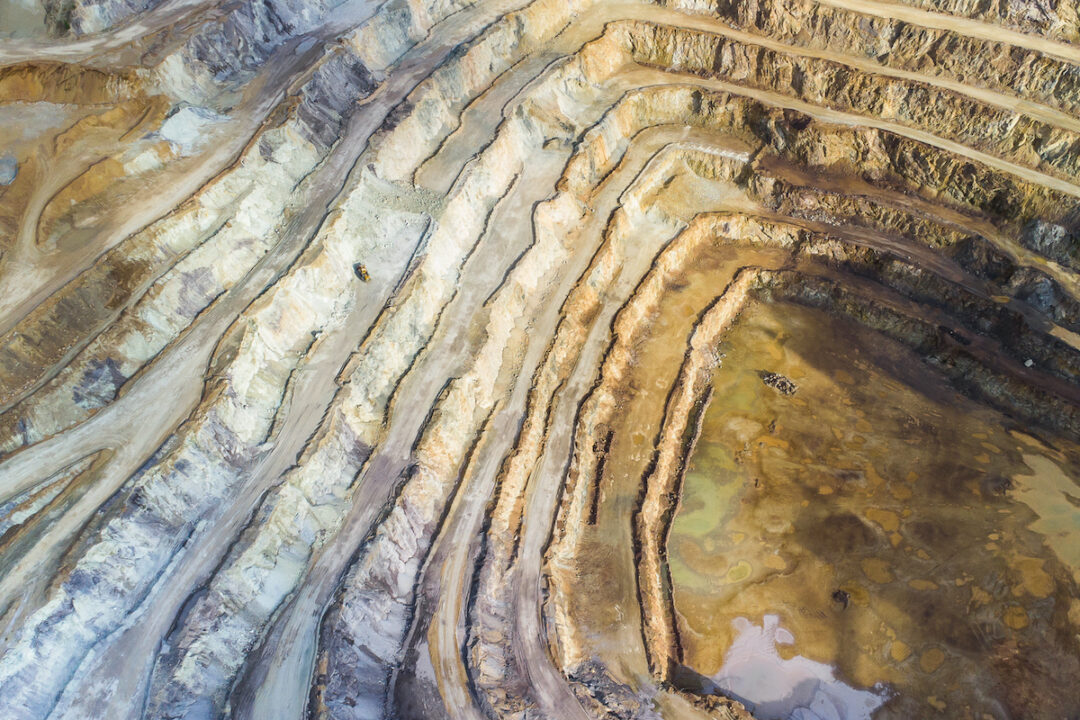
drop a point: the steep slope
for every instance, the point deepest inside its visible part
(536, 358)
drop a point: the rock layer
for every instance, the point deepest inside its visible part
(353, 356)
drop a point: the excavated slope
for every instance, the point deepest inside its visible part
(529, 358)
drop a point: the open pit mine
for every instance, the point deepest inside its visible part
(539, 359)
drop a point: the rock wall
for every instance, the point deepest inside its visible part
(321, 323)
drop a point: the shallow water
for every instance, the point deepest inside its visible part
(796, 687)
(902, 534)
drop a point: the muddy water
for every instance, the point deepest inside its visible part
(877, 528)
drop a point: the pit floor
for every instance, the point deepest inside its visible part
(915, 549)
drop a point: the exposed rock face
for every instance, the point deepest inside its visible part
(441, 358)
(89, 16)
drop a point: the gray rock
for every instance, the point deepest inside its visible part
(9, 168)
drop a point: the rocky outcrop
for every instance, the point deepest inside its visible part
(80, 17)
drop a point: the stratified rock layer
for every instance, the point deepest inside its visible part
(388, 360)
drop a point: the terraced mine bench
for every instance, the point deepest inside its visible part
(539, 359)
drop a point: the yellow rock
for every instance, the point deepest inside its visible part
(979, 596)
(1033, 579)
(1016, 617)
(931, 660)
(888, 520)
(877, 570)
(923, 585)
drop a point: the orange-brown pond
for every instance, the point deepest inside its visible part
(873, 544)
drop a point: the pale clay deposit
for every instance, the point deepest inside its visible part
(539, 359)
